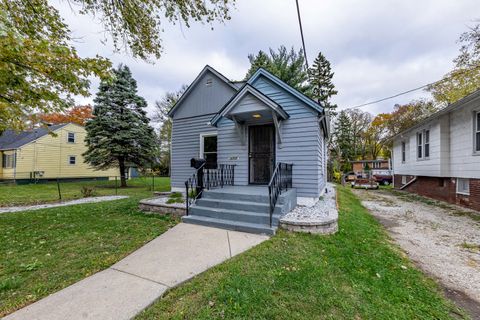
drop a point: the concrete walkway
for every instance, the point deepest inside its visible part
(61, 204)
(132, 284)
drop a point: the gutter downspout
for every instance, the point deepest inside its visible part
(15, 166)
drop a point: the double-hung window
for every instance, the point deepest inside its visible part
(71, 137)
(208, 150)
(8, 161)
(72, 160)
(419, 145)
(477, 131)
(426, 137)
(423, 144)
(404, 150)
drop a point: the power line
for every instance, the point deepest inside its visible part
(391, 97)
(301, 34)
(414, 89)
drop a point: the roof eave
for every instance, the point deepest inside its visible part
(260, 71)
(447, 109)
(248, 88)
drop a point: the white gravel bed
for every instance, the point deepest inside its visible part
(324, 211)
(162, 200)
(444, 242)
(61, 204)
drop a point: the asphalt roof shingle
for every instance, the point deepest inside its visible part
(11, 139)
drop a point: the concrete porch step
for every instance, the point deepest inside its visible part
(259, 207)
(253, 194)
(241, 208)
(229, 224)
(234, 215)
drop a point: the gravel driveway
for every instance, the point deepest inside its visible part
(443, 240)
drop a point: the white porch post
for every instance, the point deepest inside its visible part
(278, 128)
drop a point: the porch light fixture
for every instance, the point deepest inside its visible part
(256, 115)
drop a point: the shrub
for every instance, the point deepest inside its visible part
(88, 191)
(175, 197)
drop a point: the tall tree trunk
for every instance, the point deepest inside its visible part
(123, 179)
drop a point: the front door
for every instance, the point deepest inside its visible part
(261, 153)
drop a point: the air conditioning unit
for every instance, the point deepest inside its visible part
(36, 174)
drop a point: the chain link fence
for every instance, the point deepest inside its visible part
(28, 188)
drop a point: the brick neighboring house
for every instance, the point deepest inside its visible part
(440, 156)
(359, 166)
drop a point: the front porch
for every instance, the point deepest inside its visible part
(241, 208)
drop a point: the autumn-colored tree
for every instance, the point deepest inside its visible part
(40, 69)
(405, 116)
(465, 77)
(376, 136)
(77, 114)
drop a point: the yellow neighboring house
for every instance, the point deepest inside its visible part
(47, 153)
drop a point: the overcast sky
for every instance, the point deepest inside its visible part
(377, 48)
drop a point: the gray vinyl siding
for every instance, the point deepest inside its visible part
(302, 143)
(186, 145)
(301, 139)
(249, 103)
(229, 146)
(203, 99)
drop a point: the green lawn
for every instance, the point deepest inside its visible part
(48, 192)
(46, 250)
(355, 274)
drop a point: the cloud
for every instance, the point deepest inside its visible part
(377, 48)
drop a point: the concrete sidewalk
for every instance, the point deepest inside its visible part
(132, 284)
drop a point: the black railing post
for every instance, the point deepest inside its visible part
(221, 175)
(206, 179)
(200, 182)
(186, 198)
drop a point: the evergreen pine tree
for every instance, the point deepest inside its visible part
(320, 77)
(342, 141)
(287, 65)
(120, 132)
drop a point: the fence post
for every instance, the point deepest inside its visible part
(153, 182)
(58, 188)
(116, 186)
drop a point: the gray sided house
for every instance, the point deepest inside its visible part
(261, 131)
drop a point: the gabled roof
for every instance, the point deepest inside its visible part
(206, 69)
(262, 72)
(248, 89)
(456, 105)
(11, 139)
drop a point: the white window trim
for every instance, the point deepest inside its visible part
(74, 137)
(68, 160)
(203, 135)
(476, 130)
(461, 192)
(425, 143)
(419, 144)
(11, 161)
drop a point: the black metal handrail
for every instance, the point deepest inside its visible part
(208, 179)
(281, 180)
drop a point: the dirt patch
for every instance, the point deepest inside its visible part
(442, 242)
